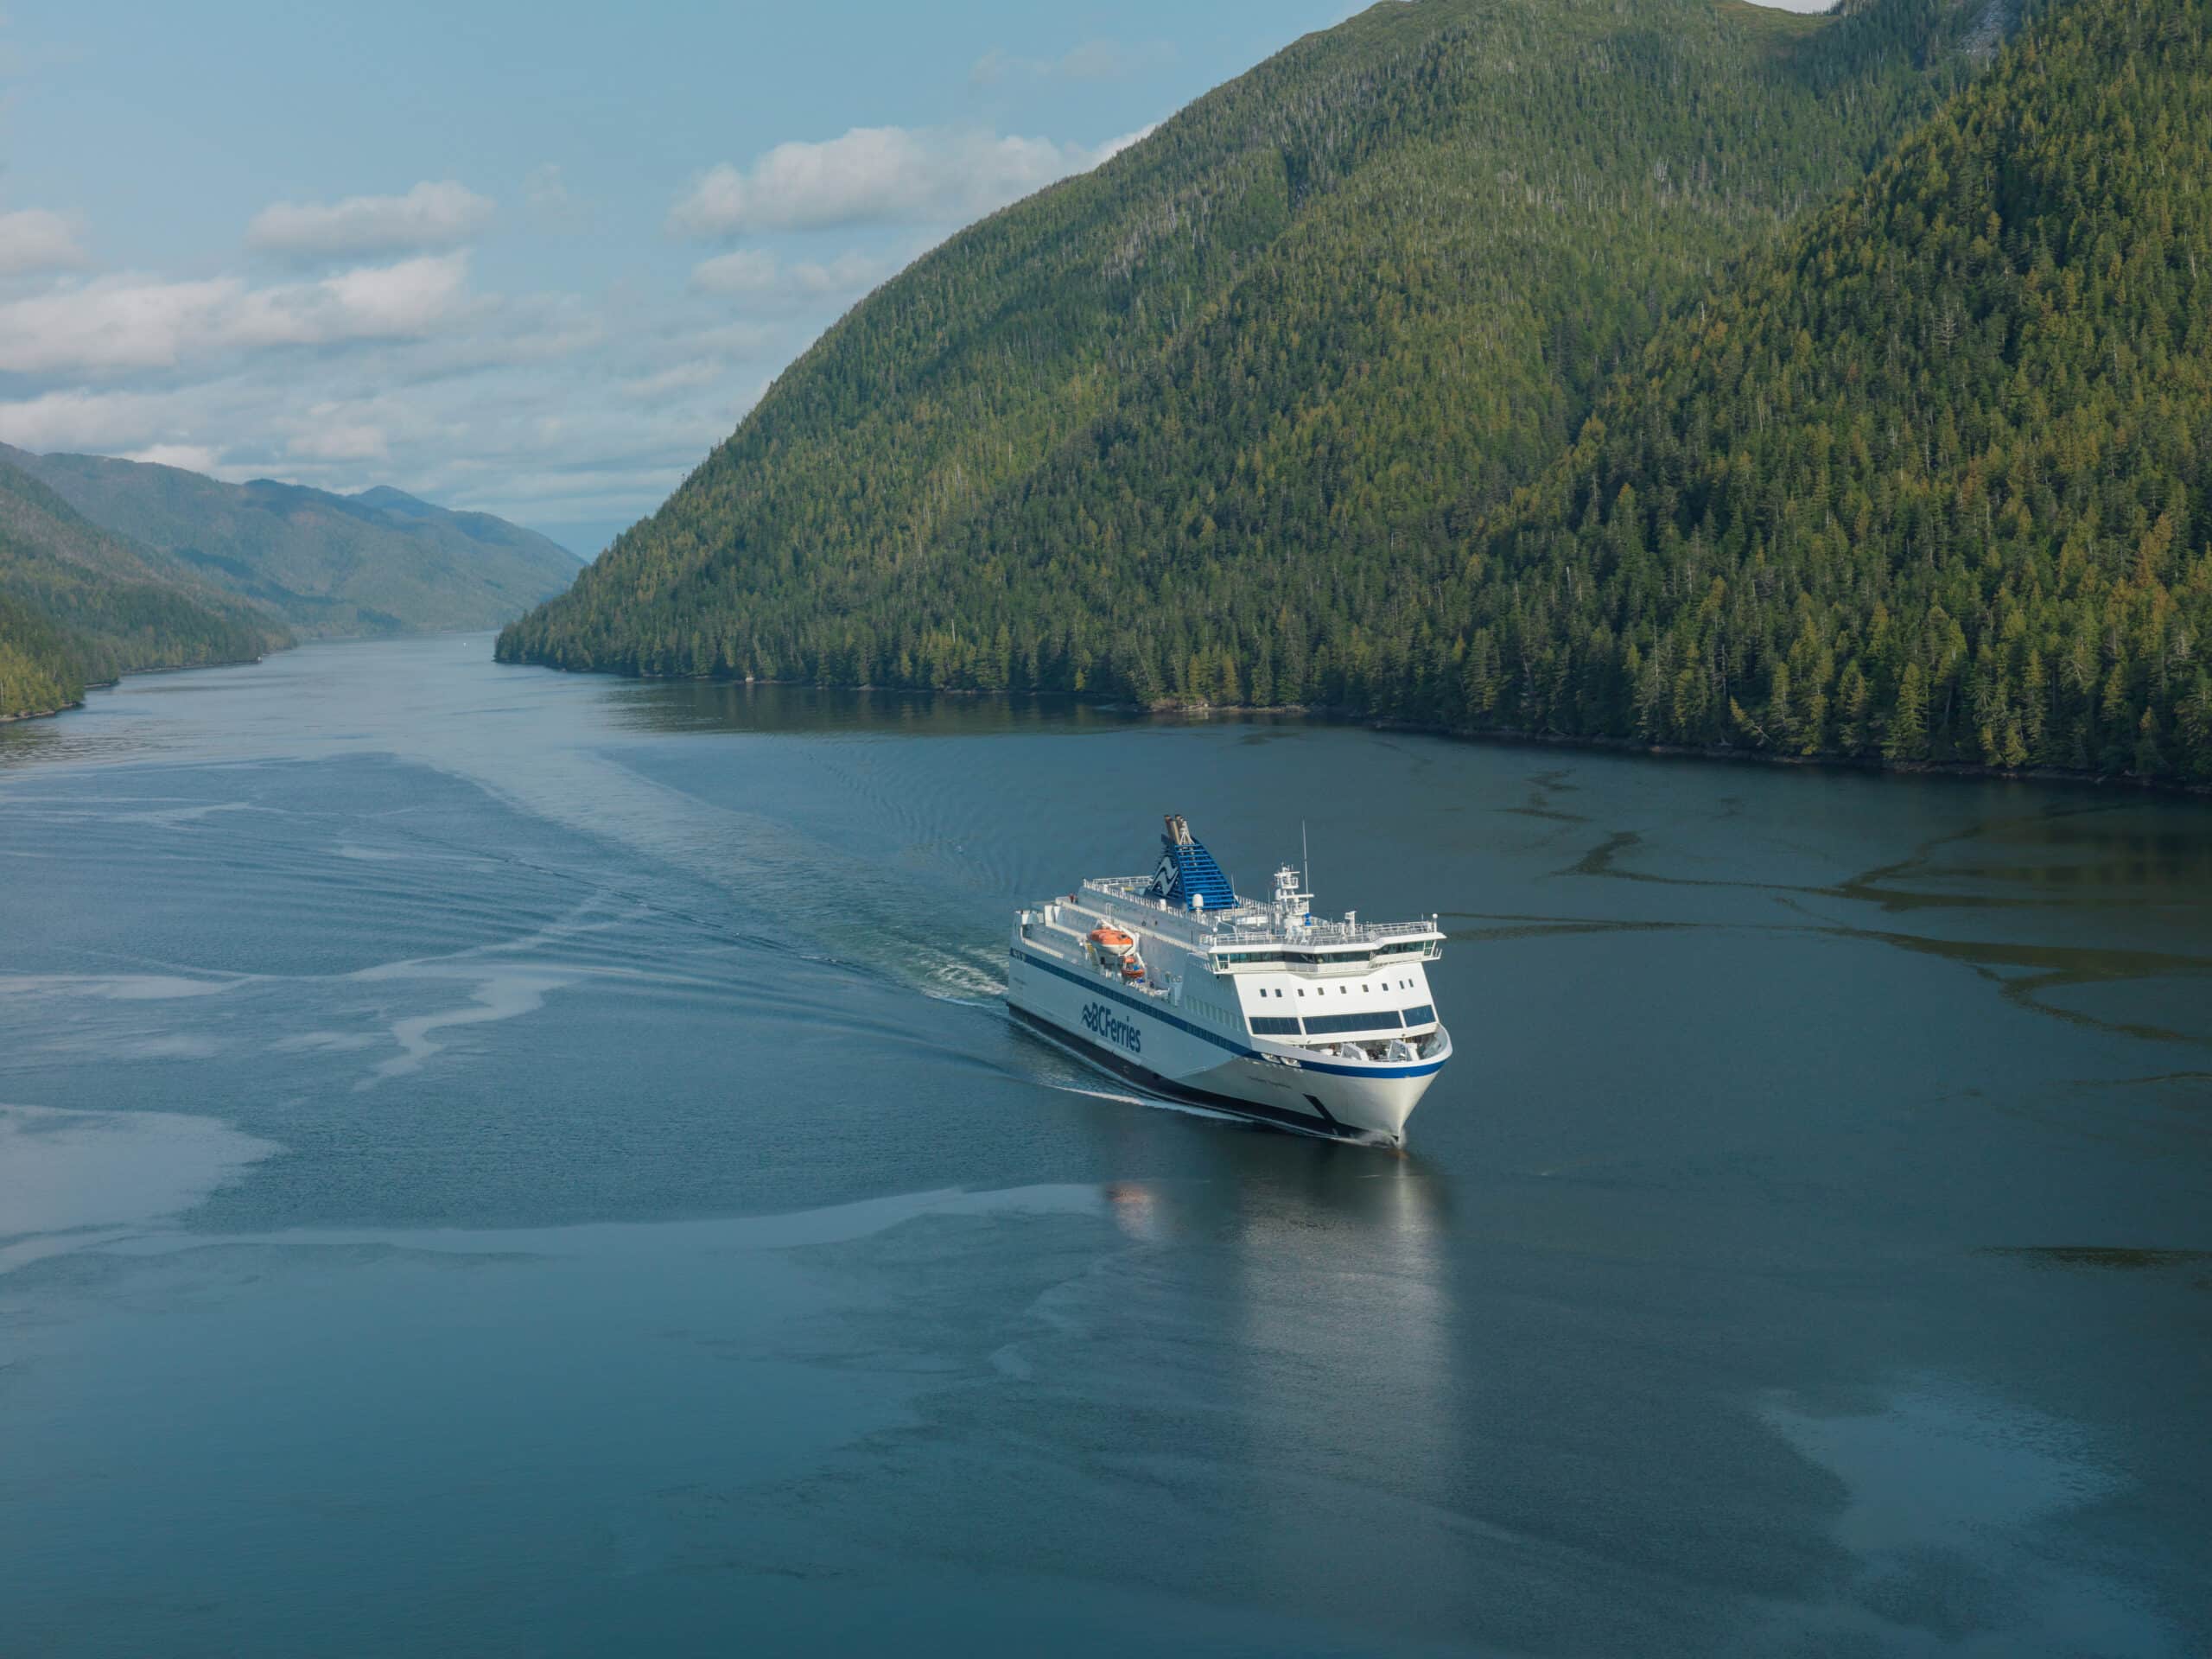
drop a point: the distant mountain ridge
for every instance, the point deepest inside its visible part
(381, 561)
(79, 605)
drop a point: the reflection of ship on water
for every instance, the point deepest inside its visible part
(1315, 1292)
(1392, 1212)
(1261, 1009)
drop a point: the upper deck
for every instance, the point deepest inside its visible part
(1249, 932)
(1287, 986)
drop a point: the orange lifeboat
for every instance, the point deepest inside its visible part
(1131, 968)
(1113, 939)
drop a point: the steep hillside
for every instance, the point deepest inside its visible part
(1216, 420)
(377, 563)
(77, 605)
(41, 667)
(1934, 481)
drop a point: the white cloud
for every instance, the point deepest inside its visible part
(116, 322)
(79, 419)
(33, 238)
(330, 436)
(761, 275)
(684, 361)
(877, 176)
(367, 355)
(136, 322)
(1113, 147)
(848, 274)
(744, 272)
(191, 457)
(398, 301)
(543, 406)
(682, 377)
(536, 329)
(440, 215)
(460, 416)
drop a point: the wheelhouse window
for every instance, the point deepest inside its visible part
(1330, 1025)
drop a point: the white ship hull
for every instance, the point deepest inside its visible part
(1154, 1046)
(1155, 1049)
(1258, 1007)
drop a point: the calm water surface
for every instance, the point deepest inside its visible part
(500, 1163)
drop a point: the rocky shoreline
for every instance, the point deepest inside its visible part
(41, 714)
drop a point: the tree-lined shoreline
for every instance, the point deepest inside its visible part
(1440, 371)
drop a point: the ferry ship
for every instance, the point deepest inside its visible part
(1256, 1007)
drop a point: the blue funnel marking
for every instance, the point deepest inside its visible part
(1188, 878)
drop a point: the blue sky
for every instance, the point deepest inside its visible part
(534, 259)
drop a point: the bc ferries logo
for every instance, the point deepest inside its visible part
(1102, 1021)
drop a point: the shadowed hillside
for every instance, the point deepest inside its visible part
(79, 606)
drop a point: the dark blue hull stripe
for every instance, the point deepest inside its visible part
(1098, 987)
(1325, 1127)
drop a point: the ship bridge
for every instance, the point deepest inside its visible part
(1257, 1006)
(1189, 898)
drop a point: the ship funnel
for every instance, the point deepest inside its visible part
(1188, 878)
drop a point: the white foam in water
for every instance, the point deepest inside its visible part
(69, 1180)
(502, 986)
(323, 1042)
(502, 996)
(113, 987)
(838, 1223)
(170, 817)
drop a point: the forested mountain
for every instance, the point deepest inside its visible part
(42, 671)
(1901, 365)
(79, 606)
(380, 561)
(1934, 480)
(1205, 421)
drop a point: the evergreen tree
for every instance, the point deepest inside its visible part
(1679, 373)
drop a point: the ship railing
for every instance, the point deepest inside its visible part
(1249, 924)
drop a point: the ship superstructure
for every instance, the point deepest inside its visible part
(1258, 1007)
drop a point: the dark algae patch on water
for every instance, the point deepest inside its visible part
(2107, 1257)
